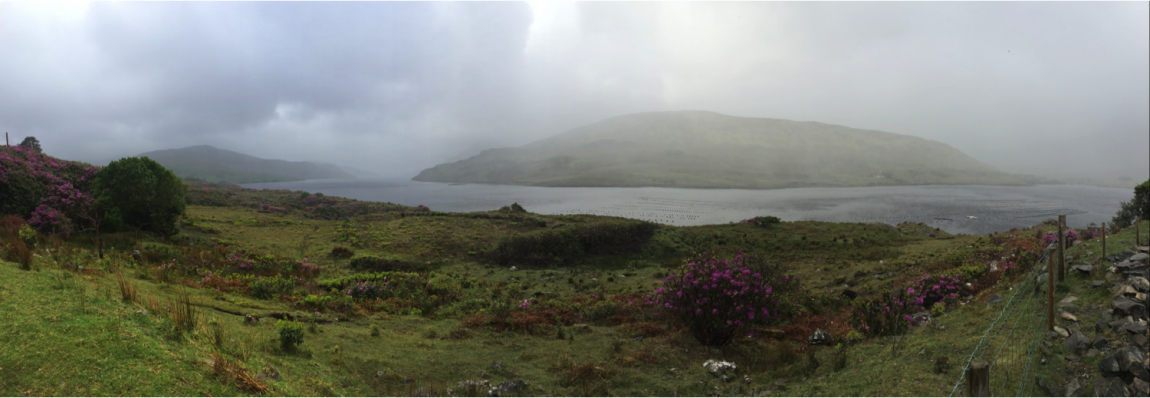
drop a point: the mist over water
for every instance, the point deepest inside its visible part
(996, 208)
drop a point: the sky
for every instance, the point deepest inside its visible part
(1053, 89)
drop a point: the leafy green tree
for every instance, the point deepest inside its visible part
(31, 142)
(141, 193)
(1139, 206)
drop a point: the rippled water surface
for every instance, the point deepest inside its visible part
(950, 207)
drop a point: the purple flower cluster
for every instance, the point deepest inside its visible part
(1052, 237)
(928, 290)
(718, 297)
(271, 209)
(62, 188)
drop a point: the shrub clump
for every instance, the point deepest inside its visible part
(762, 221)
(342, 252)
(380, 264)
(718, 298)
(545, 246)
(291, 334)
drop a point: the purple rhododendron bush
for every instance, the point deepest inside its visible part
(718, 298)
(53, 195)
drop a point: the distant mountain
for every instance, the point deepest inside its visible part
(220, 165)
(698, 149)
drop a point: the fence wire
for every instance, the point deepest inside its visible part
(1013, 337)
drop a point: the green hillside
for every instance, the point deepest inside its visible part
(219, 165)
(696, 149)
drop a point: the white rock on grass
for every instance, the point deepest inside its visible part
(718, 368)
(1061, 332)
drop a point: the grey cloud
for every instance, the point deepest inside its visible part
(1045, 88)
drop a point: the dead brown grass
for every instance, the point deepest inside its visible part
(127, 288)
(183, 312)
(235, 374)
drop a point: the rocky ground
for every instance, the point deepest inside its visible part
(1114, 331)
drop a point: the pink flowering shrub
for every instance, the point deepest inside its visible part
(929, 290)
(54, 194)
(895, 312)
(1052, 237)
(890, 315)
(718, 298)
(50, 221)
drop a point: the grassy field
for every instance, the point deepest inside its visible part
(66, 330)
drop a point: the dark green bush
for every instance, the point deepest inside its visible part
(379, 264)
(574, 242)
(140, 193)
(291, 334)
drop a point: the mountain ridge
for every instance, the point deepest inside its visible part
(209, 163)
(702, 149)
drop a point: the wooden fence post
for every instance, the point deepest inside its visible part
(1061, 247)
(1103, 243)
(978, 379)
(1050, 289)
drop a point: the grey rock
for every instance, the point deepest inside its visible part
(1109, 364)
(1099, 341)
(1142, 257)
(1076, 343)
(1085, 269)
(1097, 283)
(1072, 358)
(994, 299)
(819, 337)
(1135, 328)
(1054, 391)
(507, 387)
(1140, 340)
(639, 339)
(1066, 301)
(1073, 388)
(1091, 353)
(1061, 331)
(497, 365)
(1114, 387)
(1125, 306)
(1141, 387)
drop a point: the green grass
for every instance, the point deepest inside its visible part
(68, 326)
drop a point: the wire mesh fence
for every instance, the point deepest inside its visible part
(1010, 343)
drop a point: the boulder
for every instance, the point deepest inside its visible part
(1126, 362)
(1140, 340)
(1141, 388)
(820, 337)
(1125, 306)
(1099, 341)
(1135, 328)
(1085, 269)
(1139, 283)
(1077, 343)
(994, 299)
(1140, 257)
(1097, 283)
(1111, 387)
(1073, 388)
(1091, 353)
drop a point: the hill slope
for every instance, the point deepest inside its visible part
(220, 165)
(697, 149)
